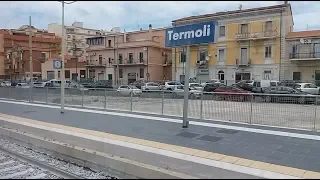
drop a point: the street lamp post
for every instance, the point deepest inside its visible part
(62, 56)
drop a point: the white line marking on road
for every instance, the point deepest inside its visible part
(260, 131)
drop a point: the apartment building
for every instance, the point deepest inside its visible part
(72, 67)
(129, 56)
(15, 54)
(302, 62)
(248, 44)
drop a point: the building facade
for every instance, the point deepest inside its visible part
(129, 56)
(249, 44)
(15, 54)
(302, 62)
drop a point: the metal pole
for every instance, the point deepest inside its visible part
(47, 95)
(148, 75)
(251, 113)
(82, 96)
(131, 94)
(201, 105)
(62, 60)
(105, 99)
(30, 63)
(315, 114)
(162, 103)
(185, 123)
(117, 71)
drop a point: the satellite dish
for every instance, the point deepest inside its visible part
(302, 41)
(207, 58)
(145, 48)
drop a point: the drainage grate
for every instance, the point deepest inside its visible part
(227, 131)
(210, 138)
(187, 135)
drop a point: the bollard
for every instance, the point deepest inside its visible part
(251, 102)
(105, 99)
(201, 105)
(131, 94)
(82, 96)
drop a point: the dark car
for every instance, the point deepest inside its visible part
(286, 94)
(211, 87)
(231, 93)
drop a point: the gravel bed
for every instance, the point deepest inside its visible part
(81, 171)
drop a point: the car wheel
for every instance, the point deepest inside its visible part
(302, 100)
(169, 89)
(268, 99)
(192, 96)
(174, 95)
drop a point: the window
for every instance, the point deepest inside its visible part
(92, 73)
(267, 75)
(244, 28)
(100, 59)
(222, 31)
(221, 57)
(294, 51)
(120, 58)
(312, 86)
(58, 74)
(109, 76)
(130, 57)
(141, 73)
(120, 73)
(68, 36)
(202, 54)
(109, 43)
(268, 26)
(182, 55)
(244, 56)
(221, 75)
(67, 73)
(109, 60)
(43, 56)
(141, 56)
(267, 52)
(296, 76)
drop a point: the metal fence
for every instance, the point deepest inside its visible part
(281, 110)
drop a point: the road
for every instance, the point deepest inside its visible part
(256, 112)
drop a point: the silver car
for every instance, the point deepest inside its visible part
(129, 90)
(178, 92)
(150, 86)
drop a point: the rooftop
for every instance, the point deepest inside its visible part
(303, 34)
(230, 12)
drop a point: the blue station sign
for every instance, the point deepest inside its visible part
(190, 34)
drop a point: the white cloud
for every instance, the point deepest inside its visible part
(106, 14)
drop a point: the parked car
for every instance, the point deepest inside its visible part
(178, 92)
(138, 83)
(129, 90)
(5, 83)
(212, 81)
(288, 95)
(171, 85)
(39, 84)
(22, 85)
(231, 93)
(79, 87)
(210, 87)
(307, 87)
(150, 86)
(196, 86)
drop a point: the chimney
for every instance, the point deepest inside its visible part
(124, 36)
(150, 32)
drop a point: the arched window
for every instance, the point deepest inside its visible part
(221, 76)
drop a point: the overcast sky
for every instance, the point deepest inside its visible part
(131, 15)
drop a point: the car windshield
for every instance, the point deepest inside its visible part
(133, 87)
(196, 85)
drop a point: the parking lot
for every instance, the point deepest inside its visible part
(257, 111)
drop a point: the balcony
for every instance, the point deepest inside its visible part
(243, 62)
(256, 35)
(304, 56)
(131, 62)
(139, 44)
(6, 61)
(94, 64)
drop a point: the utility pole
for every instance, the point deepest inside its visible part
(118, 70)
(31, 64)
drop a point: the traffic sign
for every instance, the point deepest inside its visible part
(57, 64)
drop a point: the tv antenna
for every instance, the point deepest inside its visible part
(240, 7)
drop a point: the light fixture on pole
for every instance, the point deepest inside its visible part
(62, 56)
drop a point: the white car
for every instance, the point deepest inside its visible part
(171, 85)
(129, 90)
(308, 88)
(39, 84)
(178, 92)
(150, 86)
(196, 86)
(5, 83)
(22, 85)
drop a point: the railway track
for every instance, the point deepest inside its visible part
(18, 162)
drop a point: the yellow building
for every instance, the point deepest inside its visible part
(249, 45)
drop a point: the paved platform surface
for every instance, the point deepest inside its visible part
(244, 147)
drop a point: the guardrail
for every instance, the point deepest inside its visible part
(280, 110)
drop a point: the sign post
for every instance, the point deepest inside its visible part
(188, 35)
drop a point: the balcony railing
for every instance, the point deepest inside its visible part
(131, 62)
(304, 56)
(256, 35)
(243, 62)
